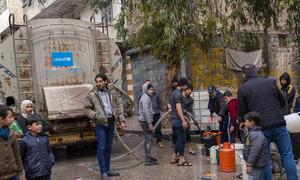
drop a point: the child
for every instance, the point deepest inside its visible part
(10, 160)
(145, 119)
(15, 127)
(36, 154)
(232, 104)
(27, 110)
(255, 146)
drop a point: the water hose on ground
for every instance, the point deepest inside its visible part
(132, 151)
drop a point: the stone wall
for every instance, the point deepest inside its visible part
(146, 67)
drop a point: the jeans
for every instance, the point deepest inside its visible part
(147, 137)
(188, 137)
(105, 135)
(158, 133)
(257, 174)
(281, 137)
(181, 138)
(174, 136)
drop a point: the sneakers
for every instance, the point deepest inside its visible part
(160, 144)
(151, 161)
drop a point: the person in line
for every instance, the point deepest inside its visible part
(232, 105)
(103, 106)
(288, 92)
(145, 119)
(255, 147)
(27, 108)
(10, 159)
(157, 107)
(179, 123)
(36, 153)
(216, 104)
(263, 96)
(188, 106)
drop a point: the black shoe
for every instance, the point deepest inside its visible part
(111, 173)
(150, 163)
(153, 159)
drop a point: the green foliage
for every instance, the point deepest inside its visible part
(172, 26)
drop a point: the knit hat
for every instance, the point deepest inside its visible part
(211, 89)
(149, 86)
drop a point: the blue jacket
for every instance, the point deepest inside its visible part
(37, 156)
(255, 150)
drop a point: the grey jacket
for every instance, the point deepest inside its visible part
(94, 106)
(255, 148)
(157, 104)
(145, 107)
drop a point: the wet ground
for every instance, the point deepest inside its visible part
(79, 162)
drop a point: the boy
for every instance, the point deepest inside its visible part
(10, 160)
(145, 118)
(255, 147)
(232, 103)
(36, 154)
(188, 106)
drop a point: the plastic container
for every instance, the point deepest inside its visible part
(293, 122)
(227, 158)
(213, 154)
(238, 153)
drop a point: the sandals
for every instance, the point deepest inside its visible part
(173, 161)
(193, 153)
(184, 163)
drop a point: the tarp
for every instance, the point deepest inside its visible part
(66, 101)
(235, 60)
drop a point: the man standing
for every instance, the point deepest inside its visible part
(179, 123)
(262, 95)
(157, 107)
(288, 92)
(216, 104)
(104, 106)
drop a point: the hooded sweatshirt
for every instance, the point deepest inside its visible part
(145, 107)
(288, 92)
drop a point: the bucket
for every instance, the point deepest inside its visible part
(293, 122)
(227, 158)
(238, 153)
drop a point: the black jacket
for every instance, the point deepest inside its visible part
(255, 150)
(157, 104)
(218, 105)
(288, 92)
(263, 96)
(37, 156)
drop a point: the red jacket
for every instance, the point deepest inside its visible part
(233, 110)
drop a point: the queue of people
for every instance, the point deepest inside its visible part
(257, 113)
